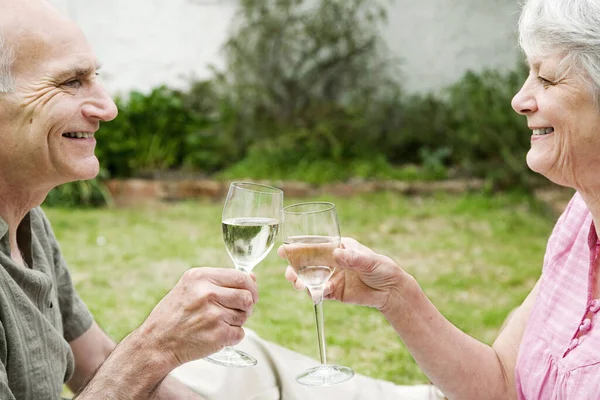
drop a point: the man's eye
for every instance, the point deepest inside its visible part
(73, 84)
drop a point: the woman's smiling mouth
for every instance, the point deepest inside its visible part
(542, 131)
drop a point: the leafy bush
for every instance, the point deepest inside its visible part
(489, 138)
(468, 129)
(157, 132)
(303, 66)
(90, 193)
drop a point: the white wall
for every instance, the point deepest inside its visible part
(438, 40)
(144, 43)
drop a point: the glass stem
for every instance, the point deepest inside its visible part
(320, 332)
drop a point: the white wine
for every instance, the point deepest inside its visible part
(312, 257)
(249, 240)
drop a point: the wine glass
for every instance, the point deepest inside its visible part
(311, 233)
(250, 223)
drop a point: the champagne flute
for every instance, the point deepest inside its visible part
(250, 223)
(311, 233)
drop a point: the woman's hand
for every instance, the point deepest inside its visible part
(361, 276)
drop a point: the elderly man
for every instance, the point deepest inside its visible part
(51, 105)
(50, 108)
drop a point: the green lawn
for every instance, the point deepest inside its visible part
(476, 257)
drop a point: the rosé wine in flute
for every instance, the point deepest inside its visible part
(311, 233)
(311, 256)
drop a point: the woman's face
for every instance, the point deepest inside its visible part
(565, 124)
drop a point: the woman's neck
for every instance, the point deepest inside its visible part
(592, 201)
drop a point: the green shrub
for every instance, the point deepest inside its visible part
(468, 128)
(156, 132)
(90, 193)
(489, 139)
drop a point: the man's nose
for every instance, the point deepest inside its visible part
(101, 106)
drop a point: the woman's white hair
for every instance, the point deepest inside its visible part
(7, 56)
(567, 28)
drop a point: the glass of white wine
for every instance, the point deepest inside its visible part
(250, 223)
(311, 233)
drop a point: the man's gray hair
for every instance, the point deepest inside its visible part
(7, 57)
(566, 28)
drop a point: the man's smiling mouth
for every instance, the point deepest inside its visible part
(78, 135)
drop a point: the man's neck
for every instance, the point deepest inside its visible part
(15, 202)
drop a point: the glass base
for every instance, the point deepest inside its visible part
(325, 375)
(230, 357)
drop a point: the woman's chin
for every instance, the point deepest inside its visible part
(545, 168)
(541, 165)
(538, 163)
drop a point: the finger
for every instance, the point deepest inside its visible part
(353, 259)
(234, 299)
(281, 252)
(235, 317)
(231, 278)
(253, 276)
(351, 243)
(328, 289)
(235, 335)
(291, 276)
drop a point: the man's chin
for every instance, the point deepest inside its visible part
(83, 171)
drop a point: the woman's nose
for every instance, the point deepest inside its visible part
(523, 102)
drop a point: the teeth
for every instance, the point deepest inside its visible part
(78, 135)
(543, 131)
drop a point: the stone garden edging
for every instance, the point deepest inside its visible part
(137, 191)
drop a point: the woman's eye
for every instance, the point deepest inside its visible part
(544, 81)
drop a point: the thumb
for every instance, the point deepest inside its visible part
(352, 259)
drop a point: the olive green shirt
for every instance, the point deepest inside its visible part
(40, 313)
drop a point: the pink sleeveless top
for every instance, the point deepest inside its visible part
(559, 356)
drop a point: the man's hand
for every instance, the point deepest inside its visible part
(203, 313)
(361, 276)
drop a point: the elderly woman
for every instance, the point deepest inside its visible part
(550, 348)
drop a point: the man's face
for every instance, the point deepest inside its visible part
(47, 124)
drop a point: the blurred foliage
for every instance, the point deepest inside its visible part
(160, 131)
(309, 71)
(309, 92)
(489, 138)
(90, 193)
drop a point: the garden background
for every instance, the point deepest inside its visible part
(309, 93)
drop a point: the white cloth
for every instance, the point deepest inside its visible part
(274, 379)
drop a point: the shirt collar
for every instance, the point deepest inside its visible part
(26, 222)
(3, 228)
(593, 240)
